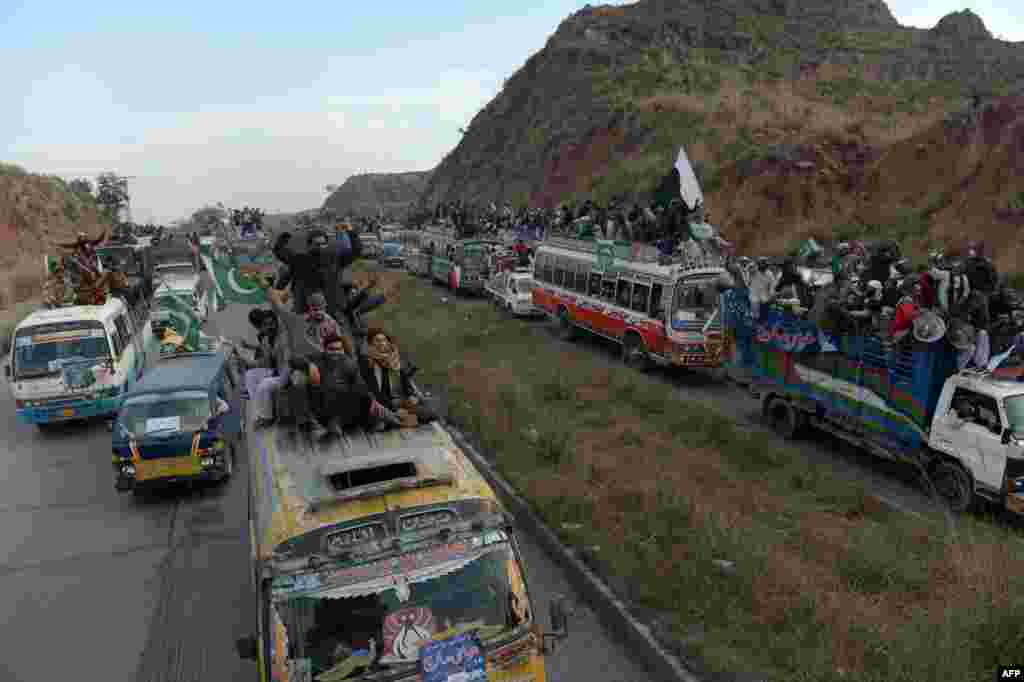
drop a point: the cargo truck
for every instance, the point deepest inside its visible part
(909, 403)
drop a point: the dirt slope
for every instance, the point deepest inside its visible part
(36, 211)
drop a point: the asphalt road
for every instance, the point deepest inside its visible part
(97, 584)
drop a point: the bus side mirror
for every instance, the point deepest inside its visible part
(1007, 435)
(559, 623)
(246, 647)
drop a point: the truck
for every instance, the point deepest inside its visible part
(909, 403)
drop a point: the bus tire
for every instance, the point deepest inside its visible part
(954, 485)
(785, 419)
(566, 329)
(634, 354)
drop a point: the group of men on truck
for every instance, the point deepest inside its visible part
(317, 357)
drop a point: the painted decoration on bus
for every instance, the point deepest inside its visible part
(401, 564)
(605, 255)
(791, 334)
(457, 659)
(345, 539)
(425, 520)
(405, 631)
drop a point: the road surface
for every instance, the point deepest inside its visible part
(94, 584)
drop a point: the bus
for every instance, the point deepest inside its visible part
(374, 548)
(75, 362)
(464, 265)
(660, 313)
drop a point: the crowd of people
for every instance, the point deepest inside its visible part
(316, 362)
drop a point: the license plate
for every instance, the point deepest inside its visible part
(67, 412)
(167, 467)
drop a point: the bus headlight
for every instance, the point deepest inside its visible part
(128, 470)
(206, 462)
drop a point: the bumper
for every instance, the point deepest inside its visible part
(526, 309)
(125, 483)
(83, 409)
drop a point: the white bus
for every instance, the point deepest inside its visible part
(75, 362)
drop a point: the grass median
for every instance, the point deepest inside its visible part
(822, 582)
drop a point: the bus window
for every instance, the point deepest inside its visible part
(694, 301)
(655, 309)
(623, 293)
(608, 289)
(548, 262)
(559, 273)
(640, 298)
(595, 284)
(581, 278)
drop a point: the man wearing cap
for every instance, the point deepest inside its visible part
(302, 335)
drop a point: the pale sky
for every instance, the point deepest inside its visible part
(266, 104)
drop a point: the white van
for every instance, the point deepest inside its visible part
(75, 362)
(512, 291)
(182, 280)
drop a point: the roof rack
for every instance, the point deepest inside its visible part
(639, 252)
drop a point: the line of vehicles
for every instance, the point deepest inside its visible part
(962, 430)
(372, 556)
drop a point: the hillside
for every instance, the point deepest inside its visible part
(35, 212)
(364, 195)
(802, 118)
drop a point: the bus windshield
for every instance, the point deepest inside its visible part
(45, 349)
(694, 301)
(165, 413)
(381, 621)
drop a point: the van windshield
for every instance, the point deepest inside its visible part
(165, 413)
(349, 630)
(46, 349)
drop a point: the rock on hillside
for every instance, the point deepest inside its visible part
(37, 211)
(602, 109)
(365, 195)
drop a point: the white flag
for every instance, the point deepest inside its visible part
(689, 188)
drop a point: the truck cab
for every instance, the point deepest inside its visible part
(979, 422)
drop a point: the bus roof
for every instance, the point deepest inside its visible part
(307, 487)
(98, 313)
(665, 272)
(183, 372)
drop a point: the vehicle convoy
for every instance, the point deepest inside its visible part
(513, 292)
(176, 424)
(462, 265)
(371, 549)
(909, 404)
(660, 312)
(75, 362)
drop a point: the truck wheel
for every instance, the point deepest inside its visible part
(566, 329)
(954, 484)
(785, 419)
(634, 354)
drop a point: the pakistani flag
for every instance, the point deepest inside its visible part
(181, 316)
(238, 281)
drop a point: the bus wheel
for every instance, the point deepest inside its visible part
(785, 419)
(953, 483)
(634, 354)
(566, 329)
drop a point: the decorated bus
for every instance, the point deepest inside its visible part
(661, 312)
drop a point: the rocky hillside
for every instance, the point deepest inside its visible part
(35, 212)
(802, 118)
(364, 195)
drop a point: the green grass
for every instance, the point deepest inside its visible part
(1016, 202)
(541, 413)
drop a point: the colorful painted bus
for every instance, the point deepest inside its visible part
(660, 313)
(372, 550)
